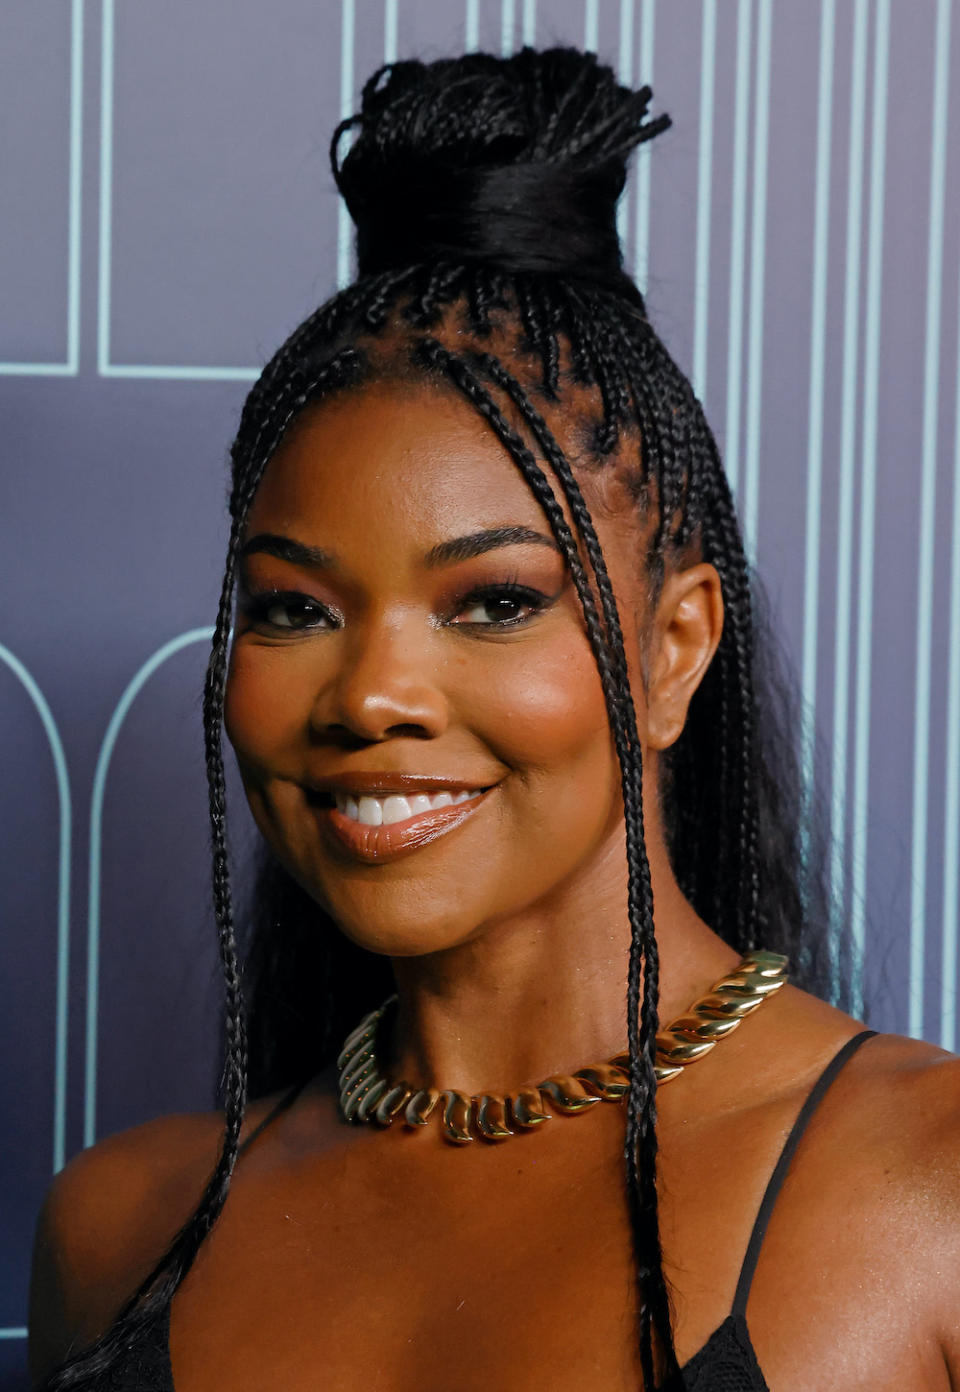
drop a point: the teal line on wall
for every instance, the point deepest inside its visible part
(927, 536)
(847, 468)
(625, 75)
(59, 757)
(472, 26)
(347, 38)
(390, 24)
(105, 754)
(758, 247)
(70, 367)
(106, 190)
(76, 184)
(645, 75)
(818, 340)
(507, 22)
(708, 67)
(951, 816)
(868, 495)
(591, 25)
(738, 237)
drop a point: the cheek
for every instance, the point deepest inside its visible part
(548, 722)
(264, 709)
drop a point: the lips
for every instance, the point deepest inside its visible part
(377, 844)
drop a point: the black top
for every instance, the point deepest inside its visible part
(726, 1363)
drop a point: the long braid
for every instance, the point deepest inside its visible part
(611, 660)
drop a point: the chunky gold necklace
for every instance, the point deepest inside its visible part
(365, 1095)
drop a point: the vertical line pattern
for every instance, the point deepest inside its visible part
(471, 27)
(347, 33)
(65, 810)
(105, 754)
(106, 187)
(868, 493)
(508, 20)
(390, 25)
(927, 538)
(847, 465)
(645, 69)
(529, 22)
(625, 74)
(76, 185)
(951, 816)
(591, 25)
(708, 65)
(758, 245)
(738, 230)
(818, 340)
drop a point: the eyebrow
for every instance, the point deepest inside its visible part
(466, 547)
(462, 548)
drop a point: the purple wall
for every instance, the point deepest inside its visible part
(168, 218)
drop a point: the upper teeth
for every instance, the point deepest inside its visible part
(383, 811)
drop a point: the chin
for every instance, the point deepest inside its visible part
(393, 937)
(394, 920)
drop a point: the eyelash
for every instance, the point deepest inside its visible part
(256, 607)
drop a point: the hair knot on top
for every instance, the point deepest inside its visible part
(516, 162)
(520, 217)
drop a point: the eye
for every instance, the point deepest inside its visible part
(286, 611)
(501, 606)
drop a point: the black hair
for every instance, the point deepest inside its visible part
(484, 191)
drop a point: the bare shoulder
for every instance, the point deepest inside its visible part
(893, 1135)
(901, 1096)
(906, 1108)
(108, 1217)
(874, 1197)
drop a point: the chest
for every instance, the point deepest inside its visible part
(385, 1265)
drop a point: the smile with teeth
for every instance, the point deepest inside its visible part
(385, 811)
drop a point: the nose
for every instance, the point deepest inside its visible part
(386, 684)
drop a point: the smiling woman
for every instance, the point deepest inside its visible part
(524, 779)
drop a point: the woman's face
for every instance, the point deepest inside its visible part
(407, 628)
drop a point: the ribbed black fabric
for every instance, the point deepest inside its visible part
(726, 1363)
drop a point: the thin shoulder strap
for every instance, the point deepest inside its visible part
(285, 1101)
(775, 1182)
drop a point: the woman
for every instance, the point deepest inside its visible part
(494, 698)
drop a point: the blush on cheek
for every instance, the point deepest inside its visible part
(551, 712)
(261, 711)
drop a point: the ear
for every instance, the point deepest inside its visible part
(685, 634)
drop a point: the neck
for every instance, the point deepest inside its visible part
(545, 991)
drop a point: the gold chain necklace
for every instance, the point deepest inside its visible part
(366, 1095)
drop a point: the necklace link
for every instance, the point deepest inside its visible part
(367, 1096)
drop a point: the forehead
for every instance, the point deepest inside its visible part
(388, 470)
(414, 454)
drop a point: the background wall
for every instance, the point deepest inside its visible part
(169, 217)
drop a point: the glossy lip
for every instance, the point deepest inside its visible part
(375, 845)
(382, 784)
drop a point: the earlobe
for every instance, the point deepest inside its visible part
(687, 629)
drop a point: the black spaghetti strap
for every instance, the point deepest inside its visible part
(285, 1101)
(780, 1171)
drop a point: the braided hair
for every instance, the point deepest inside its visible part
(484, 192)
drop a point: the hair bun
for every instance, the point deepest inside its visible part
(517, 162)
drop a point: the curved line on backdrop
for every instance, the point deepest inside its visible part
(63, 899)
(122, 709)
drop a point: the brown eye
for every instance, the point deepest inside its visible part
(501, 606)
(290, 612)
